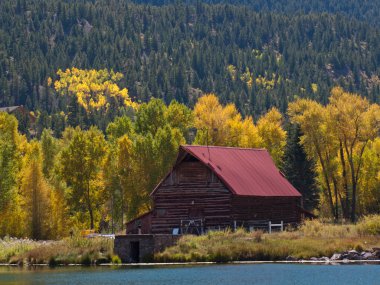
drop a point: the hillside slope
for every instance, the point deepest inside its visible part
(256, 60)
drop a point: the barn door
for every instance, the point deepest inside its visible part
(135, 251)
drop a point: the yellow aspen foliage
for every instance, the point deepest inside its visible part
(314, 87)
(124, 168)
(13, 217)
(232, 71)
(273, 136)
(339, 138)
(264, 82)
(36, 194)
(319, 145)
(355, 122)
(58, 221)
(208, 119)
(81, 162)
(224, 126)
(370, 179)
(247, 77)
(12, 148)
(217, 125)
(94, 89)
(250, 136)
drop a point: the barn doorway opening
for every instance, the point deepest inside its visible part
(135, 251)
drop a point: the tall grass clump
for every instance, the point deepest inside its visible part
(318, 229)
(10, 247)
(76, 250)
(369, 225)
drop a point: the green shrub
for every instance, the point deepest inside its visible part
(85, 259)
(358, 247)
(116, 259)
(52, 261)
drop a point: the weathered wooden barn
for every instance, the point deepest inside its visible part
(211, 188)
(219, 187)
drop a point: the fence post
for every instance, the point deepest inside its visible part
(282, 226)
(270, 227)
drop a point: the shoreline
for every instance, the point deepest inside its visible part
(163, 264)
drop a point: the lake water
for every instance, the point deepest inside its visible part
(192, 275)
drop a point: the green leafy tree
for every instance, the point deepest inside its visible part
(81, 162)
(49, 148)
(119, 127)
(150, 116)
(36, 194)
(10, 159)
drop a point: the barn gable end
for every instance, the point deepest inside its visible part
(190, 192)
(220, 187)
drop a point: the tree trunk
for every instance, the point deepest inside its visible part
(354, 178)
(122, 208)
(353, 203)
(327, 181)
(90, 206)
(346, 207)
(336, 217)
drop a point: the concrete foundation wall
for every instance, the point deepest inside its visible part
(141, 248)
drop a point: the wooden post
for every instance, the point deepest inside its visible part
(270, 227)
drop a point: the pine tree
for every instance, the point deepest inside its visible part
(299, 170)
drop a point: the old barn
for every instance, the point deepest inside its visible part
(212, 188)
(219, 187)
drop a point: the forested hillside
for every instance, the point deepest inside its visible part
(256, 60)
(113, 87)
(367, 11)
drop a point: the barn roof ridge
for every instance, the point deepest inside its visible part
(224, 147)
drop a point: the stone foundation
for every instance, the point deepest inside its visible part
(141, 248)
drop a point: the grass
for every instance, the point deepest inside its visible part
(67, 251)
(10, 247)
(312, 239)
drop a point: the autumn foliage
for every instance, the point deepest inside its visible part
(342, 138)
(93, 89)
(224, 125)
(99, 179)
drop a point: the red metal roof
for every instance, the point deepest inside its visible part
(245, 171)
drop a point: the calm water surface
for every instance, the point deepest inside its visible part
(191, 275)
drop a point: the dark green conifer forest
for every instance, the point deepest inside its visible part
(111, 88)
(178, 51)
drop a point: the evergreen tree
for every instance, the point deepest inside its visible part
(299, 170)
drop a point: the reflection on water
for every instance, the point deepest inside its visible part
(192, 275)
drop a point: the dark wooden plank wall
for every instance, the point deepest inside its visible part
(142, 223)
(190, 191)
(274, 209)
